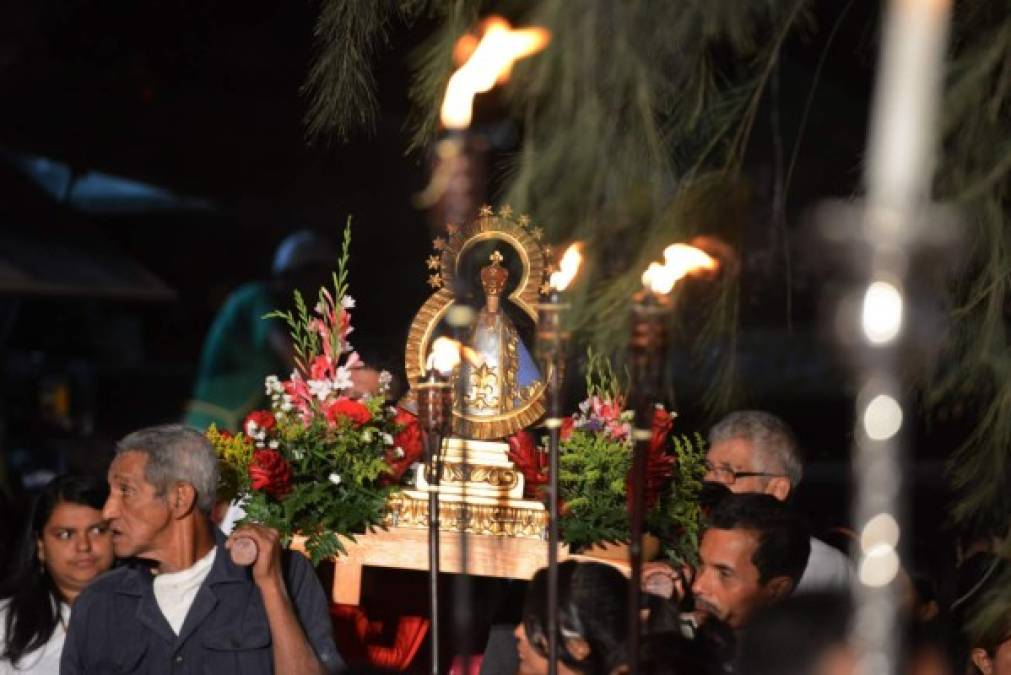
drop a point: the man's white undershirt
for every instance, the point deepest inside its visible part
(175, 592)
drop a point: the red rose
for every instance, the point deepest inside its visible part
(270, 473)
(409, 440)
(567, 424)
(347, 409)
(258, 420)
(530, 460)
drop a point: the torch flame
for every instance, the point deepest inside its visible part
(567, 268)
(490, 61)
(658, 278)
(680, 260)
(445, 355)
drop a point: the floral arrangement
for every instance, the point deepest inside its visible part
(323, 460)
(595, 463)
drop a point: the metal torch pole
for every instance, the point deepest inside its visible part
(433, 392)
(646, 351)
(552, 343)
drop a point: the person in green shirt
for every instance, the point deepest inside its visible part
(241, 348)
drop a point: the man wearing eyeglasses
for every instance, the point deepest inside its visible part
(754, 451)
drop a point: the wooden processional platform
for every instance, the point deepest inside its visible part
(407, 549)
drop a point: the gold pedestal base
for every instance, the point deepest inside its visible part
(487, 471)
(471, 514)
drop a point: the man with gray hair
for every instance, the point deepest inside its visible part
(191, 608)
(755, 451)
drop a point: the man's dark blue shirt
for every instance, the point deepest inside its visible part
(116, 625)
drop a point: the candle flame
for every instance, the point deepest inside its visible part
(567, 268)
(488, 61)
(445, 355)
(680, 260)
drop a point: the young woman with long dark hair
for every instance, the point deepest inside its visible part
(65, 545)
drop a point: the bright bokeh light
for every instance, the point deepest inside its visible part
(568, 267)
(445, 355)
(882, 417)
(882, 312)
(881, 530)
(489, 62)
(879, 567)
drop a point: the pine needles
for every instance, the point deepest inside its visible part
(976, 173)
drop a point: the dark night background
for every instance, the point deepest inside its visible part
(202, 97)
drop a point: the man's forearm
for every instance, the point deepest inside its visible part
(293, 654)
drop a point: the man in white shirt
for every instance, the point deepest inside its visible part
(755, 451)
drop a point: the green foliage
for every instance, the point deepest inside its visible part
(591, 484)
(600, 378)
(677, 520)
(975, 173)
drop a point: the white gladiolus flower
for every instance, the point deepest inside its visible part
(343, 379)
(286, 403)
(335, 479)
(320, 388)
(398, 452)
(387, 439)
(347, 302)
(367, 436)
(273, 445)
(385, 378)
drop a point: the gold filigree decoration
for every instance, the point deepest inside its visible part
(495, 476)
(432, 262)
(493, 519)
(439, 244)
(435, 281)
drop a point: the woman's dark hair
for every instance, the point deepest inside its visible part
(592, 605)
(34, 612)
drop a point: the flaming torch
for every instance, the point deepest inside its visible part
(647, 349)
(552, 348)
(485, 58)
(435, 412)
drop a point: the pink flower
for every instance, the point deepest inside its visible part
(321, 368)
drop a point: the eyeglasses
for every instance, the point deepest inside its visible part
(728, 476)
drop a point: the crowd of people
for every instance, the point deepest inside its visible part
(132, 575)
